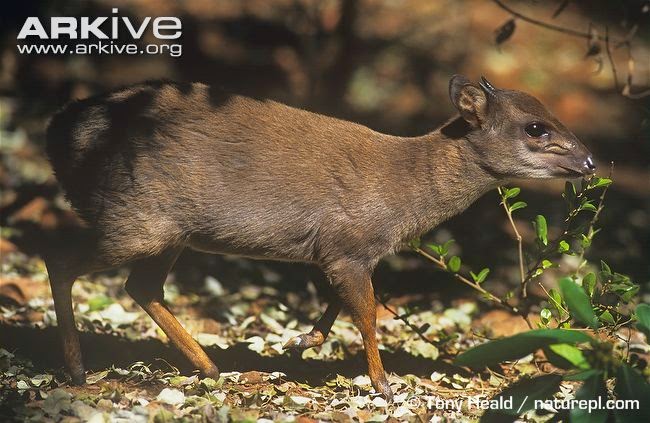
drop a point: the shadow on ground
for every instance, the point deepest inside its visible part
(102, 351)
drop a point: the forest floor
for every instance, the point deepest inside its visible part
(134, 375)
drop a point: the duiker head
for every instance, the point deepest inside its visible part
(515, 135)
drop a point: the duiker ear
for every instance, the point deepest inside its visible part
(469, 99)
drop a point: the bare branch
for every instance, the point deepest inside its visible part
(619, 42)
(546, 25)
(611, 60)
(641, 94)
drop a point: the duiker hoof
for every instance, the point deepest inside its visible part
(304, 341)
(212, 372)
(78, 377)
(383, 387)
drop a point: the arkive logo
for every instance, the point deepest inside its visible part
(96, 29)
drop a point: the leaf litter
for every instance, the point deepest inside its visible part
(262, 319)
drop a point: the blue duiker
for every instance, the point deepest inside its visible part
(158, 167)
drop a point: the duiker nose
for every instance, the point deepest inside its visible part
(589, 165)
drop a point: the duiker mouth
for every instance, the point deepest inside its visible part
(582, 167)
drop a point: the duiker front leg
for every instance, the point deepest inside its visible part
(321, 329)
(145, 285)
(352, 284)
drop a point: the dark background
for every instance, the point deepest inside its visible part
(385, 64)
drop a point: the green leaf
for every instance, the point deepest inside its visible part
(517, 346)
(546, 264)
(99, 302)
(597, 182)
(630, 385)
(589, 283)
(556, 300)
(545, 315)
(511, 192)
(592, 389)
(454, 264)
(415, 243)
(518, 205)
(643, 317)
(604, 267)
(607, 317)
(435, 248)
(626, 291)
(569, 192)
(585, 241)
(570, 354)
(578, 303)
(588, 206)
(446, 245)
(481, 275)
(583, 375)
(563, 247)
(524, 393)
(541, 229)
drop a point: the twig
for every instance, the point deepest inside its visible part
(594, 218)
(541, 285)
(618, 41)
(442, 265)
(552, 245)
(519, 244)
(462, 279)
(405, 320)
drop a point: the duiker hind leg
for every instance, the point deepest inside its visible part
(320, 331)
(62, 277)
(145, 285)
(353, 285)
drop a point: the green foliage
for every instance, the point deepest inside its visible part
(643, 317)
(541, 229)
(480, 277)
(630, 385)
(441, 249)
(518, 346)
(518, 205)
(578, 302)
(566, 356)
(587, 359)
(592, 388)
(521, 397)
(454, 264)
(99, 302)
(601, 300)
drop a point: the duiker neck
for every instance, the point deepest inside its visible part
(442, 174)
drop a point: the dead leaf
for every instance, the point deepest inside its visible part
(252, 377)
(21, 290)
(7, 246)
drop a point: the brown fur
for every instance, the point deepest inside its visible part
(158, 167)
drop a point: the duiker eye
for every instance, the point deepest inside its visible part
(536, 130)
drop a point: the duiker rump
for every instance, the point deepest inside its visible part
(159, 167)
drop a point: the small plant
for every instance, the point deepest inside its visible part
(600, 301)
(583, 358)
